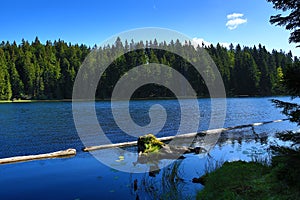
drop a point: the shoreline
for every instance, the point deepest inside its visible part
(135, 99)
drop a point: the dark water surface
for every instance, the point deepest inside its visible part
(31, 128)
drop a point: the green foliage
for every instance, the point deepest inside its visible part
(289, 136)
(226, 183)
(5, 86)
(291, 21)
(286, 167)
(292, 110)
(292, 79)
(48, 71)
(242, 180)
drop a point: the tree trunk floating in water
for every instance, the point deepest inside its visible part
(57, 154)
(168, 138)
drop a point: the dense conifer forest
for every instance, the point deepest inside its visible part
(47, 71)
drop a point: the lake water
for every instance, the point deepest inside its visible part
(32, 128)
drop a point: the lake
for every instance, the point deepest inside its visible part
(32, 128)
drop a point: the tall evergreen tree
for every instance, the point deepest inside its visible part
(5, 86)
(17, 85)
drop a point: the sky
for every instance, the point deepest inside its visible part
(90, 22)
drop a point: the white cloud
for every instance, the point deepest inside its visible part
(234, 23)
(234, 20)
(199, 41)
(234, 15)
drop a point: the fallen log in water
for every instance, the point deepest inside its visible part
(134, 143)
(152, 150)
(107, 146)
(168, 138)
(57, 154)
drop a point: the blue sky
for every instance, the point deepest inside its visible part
(93, 21)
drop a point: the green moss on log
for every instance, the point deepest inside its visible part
(149, 144)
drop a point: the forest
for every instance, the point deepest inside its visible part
(48, 71)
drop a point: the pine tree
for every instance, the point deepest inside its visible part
(5, 86)
(17, 85)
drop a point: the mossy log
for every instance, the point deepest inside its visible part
(151, 149)
(150, 144)
(57, 154)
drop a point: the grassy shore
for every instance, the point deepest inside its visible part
(242, 180)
